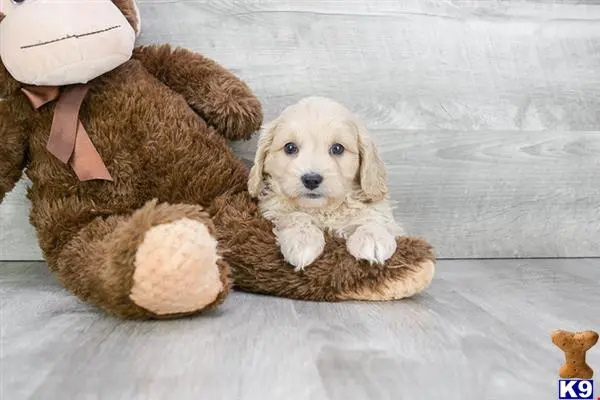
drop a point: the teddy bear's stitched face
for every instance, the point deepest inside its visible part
(62, 42)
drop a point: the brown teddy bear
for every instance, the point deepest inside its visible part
(140, 206)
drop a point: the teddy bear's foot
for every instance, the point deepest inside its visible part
(408, 281)
(177, 268)
(160, 262)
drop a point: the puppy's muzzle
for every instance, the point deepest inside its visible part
(311, 180)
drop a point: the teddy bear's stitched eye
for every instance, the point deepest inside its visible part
(290, 148)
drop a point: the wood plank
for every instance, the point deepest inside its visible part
(486, 111)
(496, 193)
(17, 236)
(480, 331)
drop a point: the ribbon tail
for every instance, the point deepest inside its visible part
(63, 132)
(62, 136)
(69, 142)
(86, 162)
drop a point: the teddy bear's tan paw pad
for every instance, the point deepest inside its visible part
(412, 282)
(176, 269)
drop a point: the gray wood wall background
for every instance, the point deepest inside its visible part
(486, 112)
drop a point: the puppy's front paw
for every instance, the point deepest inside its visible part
(373, 244)
(301, 246)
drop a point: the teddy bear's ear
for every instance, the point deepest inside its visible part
(131, 11)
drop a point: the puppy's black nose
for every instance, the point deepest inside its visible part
(311, 180)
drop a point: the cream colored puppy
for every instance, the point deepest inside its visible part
(316, 170)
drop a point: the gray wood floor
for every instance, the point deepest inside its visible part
(482, 331)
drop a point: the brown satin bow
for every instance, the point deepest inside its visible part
(68, 141)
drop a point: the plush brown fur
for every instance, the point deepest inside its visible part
(160, 123)
(258, 265)
(127, 7)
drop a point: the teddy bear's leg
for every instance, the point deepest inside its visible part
(162, 261)
(221, 98)
(258, 266)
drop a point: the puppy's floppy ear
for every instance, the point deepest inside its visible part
(255, 179)
(372, 172)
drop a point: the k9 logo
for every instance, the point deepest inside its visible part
(575, 389)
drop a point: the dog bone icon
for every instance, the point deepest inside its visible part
(575, 345)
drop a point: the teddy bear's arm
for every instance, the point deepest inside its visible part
(250, 247)
(216, 94)
(13, 149)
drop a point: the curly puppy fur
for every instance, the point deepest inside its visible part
(161, 122)
(316, 170)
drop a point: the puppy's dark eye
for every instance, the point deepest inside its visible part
(18, 1)
(290, 148)
(336, 149)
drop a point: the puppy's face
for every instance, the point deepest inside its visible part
(314, 154)
(313, 159)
